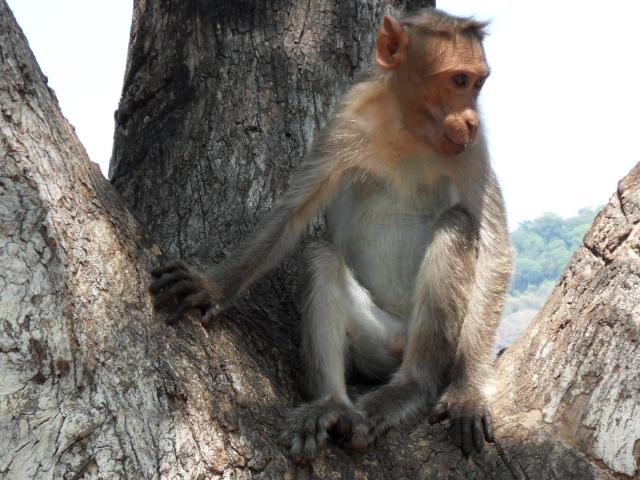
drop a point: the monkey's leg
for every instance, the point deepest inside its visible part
(440, 301)
(341, 329)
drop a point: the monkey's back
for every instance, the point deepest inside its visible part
(383, 233)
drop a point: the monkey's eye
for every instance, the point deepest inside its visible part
(479, 84)
(460, 80)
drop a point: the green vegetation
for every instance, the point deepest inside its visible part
(544, 247)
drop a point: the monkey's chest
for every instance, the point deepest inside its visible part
(383, 235)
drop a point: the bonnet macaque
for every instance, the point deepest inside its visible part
(409, 287)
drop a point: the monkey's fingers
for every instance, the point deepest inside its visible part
(210, 313)
(467, 440)
(345, 423)
(324, 423)
(476, 433)
(487, 426)
(343, 427)
(360, 437)
(313, 431)
(168, 279)
(169, 267)
(439, 413)
(176, 291)
(303, 449)
(306, 431)
(206, 318)
(310, 448)
(295, 448)
(195, 300)
(455, 432)
(379, 425)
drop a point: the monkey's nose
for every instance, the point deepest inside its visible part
(472, 127)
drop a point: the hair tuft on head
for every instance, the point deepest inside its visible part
(434, 21)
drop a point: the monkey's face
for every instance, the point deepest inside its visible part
(443, 78)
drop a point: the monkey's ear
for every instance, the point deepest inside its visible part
(392, 44)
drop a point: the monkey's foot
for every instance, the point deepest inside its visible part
(469, 415)
(308, 427)
(392, 405)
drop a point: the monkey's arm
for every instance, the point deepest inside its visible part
(180, 287)
(465, 401)
(312, 187)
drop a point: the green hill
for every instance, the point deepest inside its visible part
(543, 249)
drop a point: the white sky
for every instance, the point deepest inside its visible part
(562, 107)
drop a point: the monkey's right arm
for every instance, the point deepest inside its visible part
(179, 287)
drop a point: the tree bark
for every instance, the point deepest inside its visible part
(575, 373)
(220, 102)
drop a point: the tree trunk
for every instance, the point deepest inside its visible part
(94, 385)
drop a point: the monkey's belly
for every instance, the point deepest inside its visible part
(383, 238)
(385, 257)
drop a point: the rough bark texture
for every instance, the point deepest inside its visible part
(94, 385)
(221, 100)
(576, 372)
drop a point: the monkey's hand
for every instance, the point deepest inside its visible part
(178, 287)
(308, 427)
(467, 409)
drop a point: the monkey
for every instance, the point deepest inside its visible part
(409, 287)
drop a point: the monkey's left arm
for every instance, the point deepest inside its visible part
(466, 400)
(312, 186)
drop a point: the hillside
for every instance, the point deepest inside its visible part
(543, 249)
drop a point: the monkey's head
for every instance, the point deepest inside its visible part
(437, 67)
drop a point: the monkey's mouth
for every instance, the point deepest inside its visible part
(455, 147)
(461, 145)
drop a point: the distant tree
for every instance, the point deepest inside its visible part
(545, 245)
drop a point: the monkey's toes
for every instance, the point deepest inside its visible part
(352, 430)
(305, 443)
(360, 438)
(309, 425)
(302, 449)
(469, 432)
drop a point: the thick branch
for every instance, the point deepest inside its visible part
(92, 383)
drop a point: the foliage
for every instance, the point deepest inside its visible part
(544, 247)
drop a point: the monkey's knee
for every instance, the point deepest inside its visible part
(324, 264)
(454, 246)
(457, 226)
